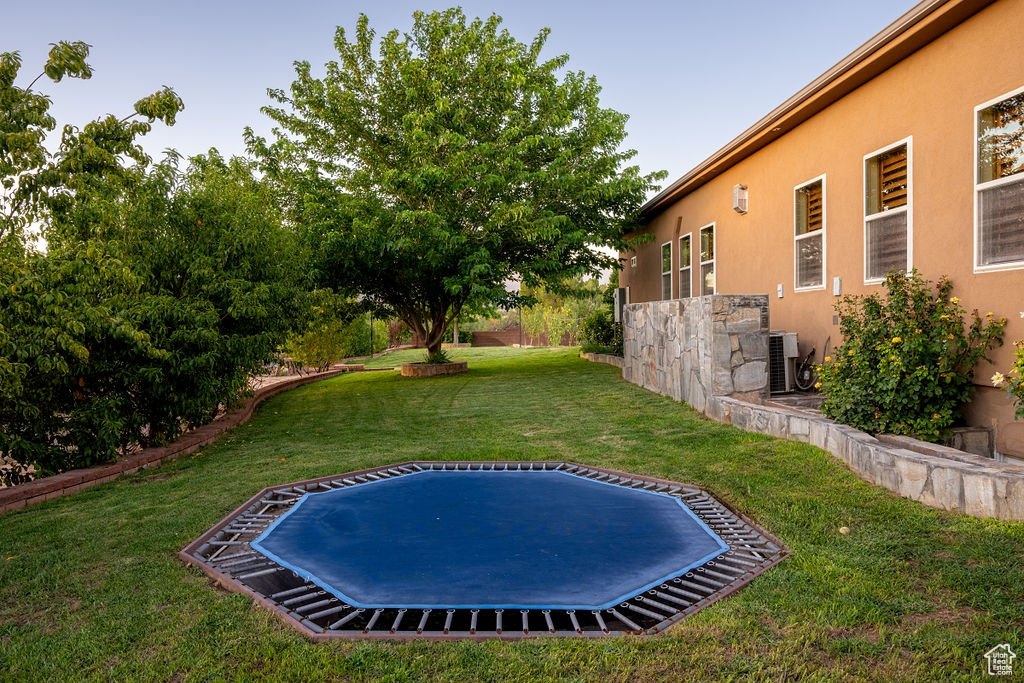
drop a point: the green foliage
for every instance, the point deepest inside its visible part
(161, 290)
(599, 333)
(558, 313)
(322, 341)
(907, 359)
(1013, 380)
(437, 357)
(356, 338)
(431, 167)
(34, 184)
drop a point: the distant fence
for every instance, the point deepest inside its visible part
(511, 337)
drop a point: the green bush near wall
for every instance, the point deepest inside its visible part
(907, 360)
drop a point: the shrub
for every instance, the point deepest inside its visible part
(599, 333)
(1013, 380)
(907, 359)
(437, 358)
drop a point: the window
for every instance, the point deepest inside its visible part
(809, 234)
(887, 218)
(632, 261)
(707, 259)
(999, 185)
(684, 267)
(666, 270)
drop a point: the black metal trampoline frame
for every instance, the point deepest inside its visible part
(225, 555)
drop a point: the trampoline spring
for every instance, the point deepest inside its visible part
(738, 558)
(631, 625)
(575, 621)
(474, 614)
(423, 621)
(328, 612)
(671, 598)
(448, 620)
(325, 486)
(730, 571)
(237, 558)
(645, 612)
(314, 605)
(725, 578)
(547, 618)
(600, 621)
(497, 620)
(398, 620)
(227, 543)
(373, 620)
(261, 572)
(374, 477)
(302, 598)
(345, 619)
(654, 603)
(526, 620)
(268, 501)
(686, 594)
(350, 482)
(290, 591)
(708, 590)
(735, 561)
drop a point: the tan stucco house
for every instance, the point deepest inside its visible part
(909, 153)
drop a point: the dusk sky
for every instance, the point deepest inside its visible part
(690, 75)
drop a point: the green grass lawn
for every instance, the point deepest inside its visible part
(395, 358)
(91, 586)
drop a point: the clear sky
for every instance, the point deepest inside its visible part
(691, 75)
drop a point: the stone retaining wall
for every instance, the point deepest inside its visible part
(69, 482)
(693, 349)
(605, 358)
(711, 352)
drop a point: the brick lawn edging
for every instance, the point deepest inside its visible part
(937, 476)
(71, 481)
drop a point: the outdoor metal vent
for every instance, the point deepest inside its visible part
(782, 347)
(739, 198)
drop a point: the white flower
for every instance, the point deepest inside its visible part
(998, 379)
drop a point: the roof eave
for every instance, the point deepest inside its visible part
(922, 24)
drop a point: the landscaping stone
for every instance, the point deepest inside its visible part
(433, 369)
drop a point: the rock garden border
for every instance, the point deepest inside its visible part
(433, 369)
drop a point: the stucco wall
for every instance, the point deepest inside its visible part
(929, 97)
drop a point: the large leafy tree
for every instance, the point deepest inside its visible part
(430, 167)
(160, 292)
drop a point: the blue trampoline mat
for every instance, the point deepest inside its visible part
(488, 539)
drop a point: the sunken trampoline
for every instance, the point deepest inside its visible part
(484, 550)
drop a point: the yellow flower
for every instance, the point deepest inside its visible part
(850, 352)
(954, 300)
(989, 314)
(817, 385)
(896, 340)
(998, 379)
(828, 359)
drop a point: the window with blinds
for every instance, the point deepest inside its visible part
(809, 234)
(666, 271)
(999, 185)
(887, 194)
(685, 257)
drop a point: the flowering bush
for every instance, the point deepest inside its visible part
(1013, 380)
(907, 358)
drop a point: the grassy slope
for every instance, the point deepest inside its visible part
(90, 585)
